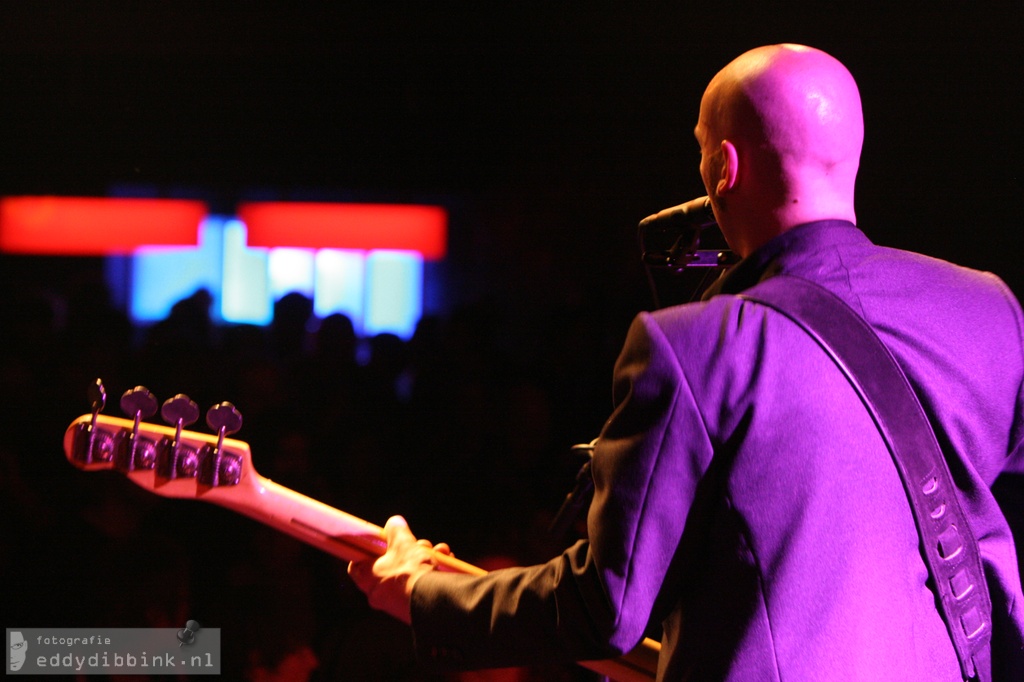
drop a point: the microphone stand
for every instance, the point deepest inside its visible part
(669, 244)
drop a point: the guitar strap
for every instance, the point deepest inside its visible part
(948, 544)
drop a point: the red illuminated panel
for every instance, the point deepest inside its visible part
(347, 226)
(94, 226)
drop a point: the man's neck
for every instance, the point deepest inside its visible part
(756, 232)
(796, 242)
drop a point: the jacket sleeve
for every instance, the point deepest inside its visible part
(595, 599)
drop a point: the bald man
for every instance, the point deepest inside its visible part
(780, 133)
(744, 499)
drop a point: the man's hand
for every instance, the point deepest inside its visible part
(388, 579)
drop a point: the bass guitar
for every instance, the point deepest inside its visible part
(168, 460)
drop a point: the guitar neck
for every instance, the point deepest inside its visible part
(345, 536)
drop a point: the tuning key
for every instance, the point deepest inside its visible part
(139, 403)
(97, 397)
(224, 418)
(180, 411)
(218, 467)
(173, 458)
(92, 444)
(132, 451)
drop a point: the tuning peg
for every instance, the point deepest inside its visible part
(97, 396)
(224, 418)
(179, 411)
(132, 451)
(138, 402)
(90, 443)
(218, 467)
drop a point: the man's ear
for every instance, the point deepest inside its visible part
(730, 168)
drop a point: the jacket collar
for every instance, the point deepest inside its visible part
(792, 245)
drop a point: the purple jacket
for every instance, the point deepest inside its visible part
(743, 496)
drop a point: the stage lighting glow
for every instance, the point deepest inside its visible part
(339, 288)
(89, 226)
(291, 270)
(394, 296)
(163, 275)
(423, 229)
(246, 278)
(379, 288)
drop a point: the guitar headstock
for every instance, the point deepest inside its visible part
(166, 458)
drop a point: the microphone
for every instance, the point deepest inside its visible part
(695, 212)
(670, 237)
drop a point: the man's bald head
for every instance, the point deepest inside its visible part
(781, 131)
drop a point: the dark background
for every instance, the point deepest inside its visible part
(547, 132)
(569, 122)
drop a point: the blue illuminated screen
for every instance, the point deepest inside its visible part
(380, 291)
